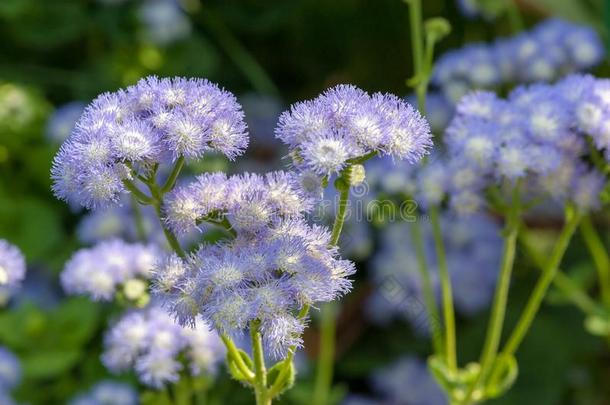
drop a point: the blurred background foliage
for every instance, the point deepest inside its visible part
(59, 51)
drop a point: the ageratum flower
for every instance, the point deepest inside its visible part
(548, 51)
(108, 267)
(539, 135)
(473, 247)
(12, 267)
(154, 122)
(268, 276)
(345, 123)
(107, 392)
(149, 342)
(250, 201)
(275, 265)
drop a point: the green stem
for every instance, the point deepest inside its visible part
(599, 255)
(324, 374)
(239, 361)
(494, 329)
(563, 282)
(417, 48)
(340, 218)
(446, 292)
(173, 176)
(548, 274)
(260, 379)
(139, 194)
(429, 299)
(138, 219)
(169, 235)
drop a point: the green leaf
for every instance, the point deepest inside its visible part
(48, 364)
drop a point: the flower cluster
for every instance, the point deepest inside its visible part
(109, 267)
(550, 50)
(151, 343)
(273, 267)
(107, 393)
(10, 375)
(12, 267)
(538, 134)
(250, 201)
(473, 248)
(345, 123)
(129, 132)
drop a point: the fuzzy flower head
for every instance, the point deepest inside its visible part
(12, 266)
(266, 276)
(539, 135)
(345, 123)
(154, 122)
(548, 51)
(149, 342)
(108, 268)
(250, 201)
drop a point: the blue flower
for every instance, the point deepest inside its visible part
(151, 123)
(149, 342)
(107, 392)
(345, 122)
(10, 370)
(12, 266)
(101, 270)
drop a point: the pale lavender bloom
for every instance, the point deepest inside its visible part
(548, 51)
(249, 200)
(407, 382)
(539, 134)
(101, 270)
(266, 274)
(153, 122)
(10, 370)
(438, 110)
(107, 392)
(149, 342)
(12, 267)
(345, 123)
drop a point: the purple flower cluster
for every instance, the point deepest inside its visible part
(12, 267)
(345, 123)
(473, 247)
(538, 134)
(550, 50)
(265, 276)
(109, 267)
(249, 201)
(107, 392)
(128, 132)
(151, 343)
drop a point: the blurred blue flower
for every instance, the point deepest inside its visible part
(61, 123)
(107, 393)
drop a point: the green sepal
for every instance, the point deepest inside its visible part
(234, 369)
(288, 378)
(503, 376)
